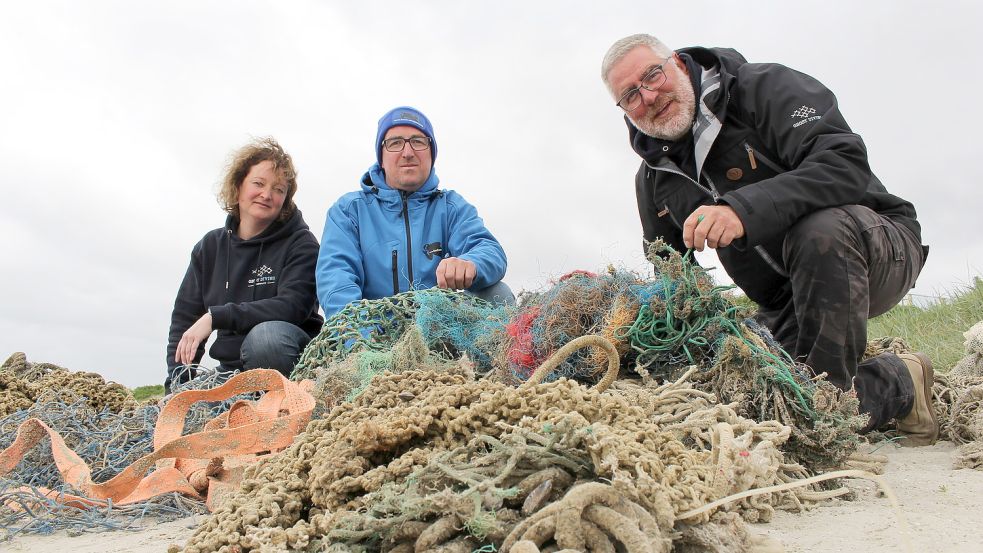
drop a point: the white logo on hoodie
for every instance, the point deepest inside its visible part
(263, 276)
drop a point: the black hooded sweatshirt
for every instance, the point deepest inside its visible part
(773, 145)
(269, 277)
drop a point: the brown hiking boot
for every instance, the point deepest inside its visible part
(919, 427)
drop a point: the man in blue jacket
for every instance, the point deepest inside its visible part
(400, 232)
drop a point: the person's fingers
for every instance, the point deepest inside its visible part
(453, 275)
(187, 348)
(460, 274)
(715, 233)
(441, 271)
(179, 354)
(469, 273)
(189, 351)
(724, 240)
(727, 238)
(700, 233)
(689, 226)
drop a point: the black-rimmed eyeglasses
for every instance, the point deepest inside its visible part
(418, 143)
(652, 80)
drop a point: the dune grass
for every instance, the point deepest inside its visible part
(936, 330)
(141, 393)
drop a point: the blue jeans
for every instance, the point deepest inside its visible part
(498, 293)
(273, 345)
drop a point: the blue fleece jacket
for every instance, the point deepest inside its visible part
(369, 251)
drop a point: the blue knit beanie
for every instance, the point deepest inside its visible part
(404, 115)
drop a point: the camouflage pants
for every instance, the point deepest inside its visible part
(845, 265)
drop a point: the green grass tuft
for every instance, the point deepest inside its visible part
(141, 393)
(936, 330)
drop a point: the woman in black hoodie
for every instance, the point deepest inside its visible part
(252, 280)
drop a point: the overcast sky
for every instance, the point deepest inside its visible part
(118, 117)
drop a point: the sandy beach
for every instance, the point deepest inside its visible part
(942, 506)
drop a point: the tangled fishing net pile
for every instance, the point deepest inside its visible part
(965, 421)
(99, 421)
(22, 383)
(438, 432)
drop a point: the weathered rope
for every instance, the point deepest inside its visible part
(564, 352)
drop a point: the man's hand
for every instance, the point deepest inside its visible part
(455, 273)
(715, 226)
(192, 338)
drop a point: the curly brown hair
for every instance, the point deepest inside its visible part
(258, 151)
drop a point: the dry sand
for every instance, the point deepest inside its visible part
(943, 506)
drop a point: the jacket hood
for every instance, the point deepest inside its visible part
(728, 59)
(278, 230)
(374, 183)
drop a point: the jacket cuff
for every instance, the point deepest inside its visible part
(480, 273)
(221, 317)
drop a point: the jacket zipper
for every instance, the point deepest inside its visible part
(710, 191)
(770, 261)
(395, 272)
(673, 217)
(750, 156)
(754, 157)
(409, 240)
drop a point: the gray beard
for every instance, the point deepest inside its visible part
(672, 130)
(677, 127)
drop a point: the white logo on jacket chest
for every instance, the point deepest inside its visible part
(805, 113)
(262, 276)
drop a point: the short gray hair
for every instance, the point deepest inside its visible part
(620, 49)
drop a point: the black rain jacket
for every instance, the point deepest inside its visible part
(269, 277)
(771, 143)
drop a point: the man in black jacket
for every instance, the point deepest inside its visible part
(756, 161)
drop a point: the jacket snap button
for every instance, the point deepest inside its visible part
(734, 173)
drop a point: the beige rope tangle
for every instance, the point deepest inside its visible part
(561, 355)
